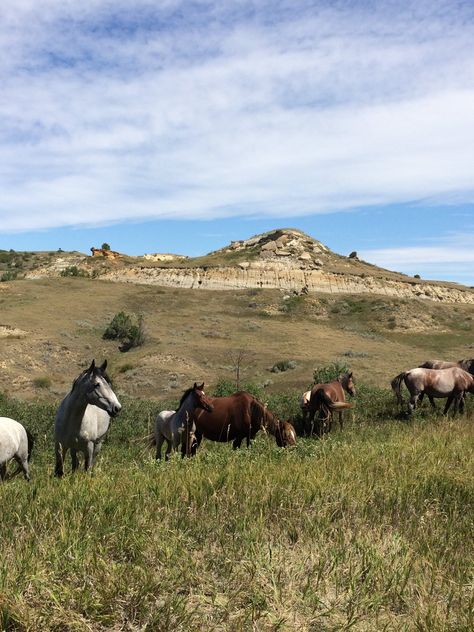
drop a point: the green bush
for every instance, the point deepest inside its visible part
(8, 276)
(330, 372)
(127, 328)
(74, 271)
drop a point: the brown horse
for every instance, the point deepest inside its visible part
(327, 398)
(466, 365)
(450, 383)
(237, 417)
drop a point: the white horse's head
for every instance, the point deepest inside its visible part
(97, 389)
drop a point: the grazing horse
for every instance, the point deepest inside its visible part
(467, 365)
(328, 398)
(240, 416)
(15, 443)
(83, 417)
(450, 383)
(170, 425)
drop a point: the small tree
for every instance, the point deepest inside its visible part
(105, 246)
(128, 329)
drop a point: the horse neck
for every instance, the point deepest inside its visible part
(270, 422)
(188, 406)
(75, 406)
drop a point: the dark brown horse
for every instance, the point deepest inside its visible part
(327, 398)
(237, 417)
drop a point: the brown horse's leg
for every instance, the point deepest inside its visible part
(341, 422)
(237, 441)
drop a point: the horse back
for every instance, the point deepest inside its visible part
(13, 439)
(230, 419)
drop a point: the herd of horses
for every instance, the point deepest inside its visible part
(84, 415)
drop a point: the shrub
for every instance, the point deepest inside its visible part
(127, 328)
(42, 382)
(8, 276)
(105, 246)
(283, 365)
(330, 372)
(74, 271)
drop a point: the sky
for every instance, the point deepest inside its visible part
(178, 126)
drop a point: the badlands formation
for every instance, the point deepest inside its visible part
(286, 259)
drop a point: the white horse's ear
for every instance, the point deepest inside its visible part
(103, 366)
(92, 367)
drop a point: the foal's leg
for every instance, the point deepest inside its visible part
(159, 444)
(462, 401)
(341, 421)
(60, 452)
(168, 449)
(3, 471)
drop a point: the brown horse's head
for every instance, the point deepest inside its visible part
(347, 383)
(201, 399)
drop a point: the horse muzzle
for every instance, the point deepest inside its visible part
(114, 410)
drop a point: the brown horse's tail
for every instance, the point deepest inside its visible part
(31, 443)
(323, 402)
(396, 385)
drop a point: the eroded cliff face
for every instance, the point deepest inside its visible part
(285, 259)
(263, 275)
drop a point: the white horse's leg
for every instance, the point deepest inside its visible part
(60, 452)
(23, 467)
(89, 456)
(3, 471)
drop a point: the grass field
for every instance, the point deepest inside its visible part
(369, 529)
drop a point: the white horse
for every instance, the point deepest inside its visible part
(15, 443)
(83, 417)
(170, 425)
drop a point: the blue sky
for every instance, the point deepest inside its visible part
(178, 126)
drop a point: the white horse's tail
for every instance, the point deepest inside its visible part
(31, 443)
(396, 385)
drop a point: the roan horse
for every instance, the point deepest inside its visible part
(467, 365)
(240, 416)
(328, 398)
(15, 443)
(170, 425)
(83, 417)
(450, 383)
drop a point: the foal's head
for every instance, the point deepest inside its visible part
(95, 384)
(347, 383)
(200, 398)
(287, 434)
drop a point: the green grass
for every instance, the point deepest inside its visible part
(369, 529)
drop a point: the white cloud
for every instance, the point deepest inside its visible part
(232, 110)
(450, 258)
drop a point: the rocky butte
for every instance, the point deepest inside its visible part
(286, 259)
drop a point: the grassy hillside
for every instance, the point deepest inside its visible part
(370, 529)
(51, 328)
